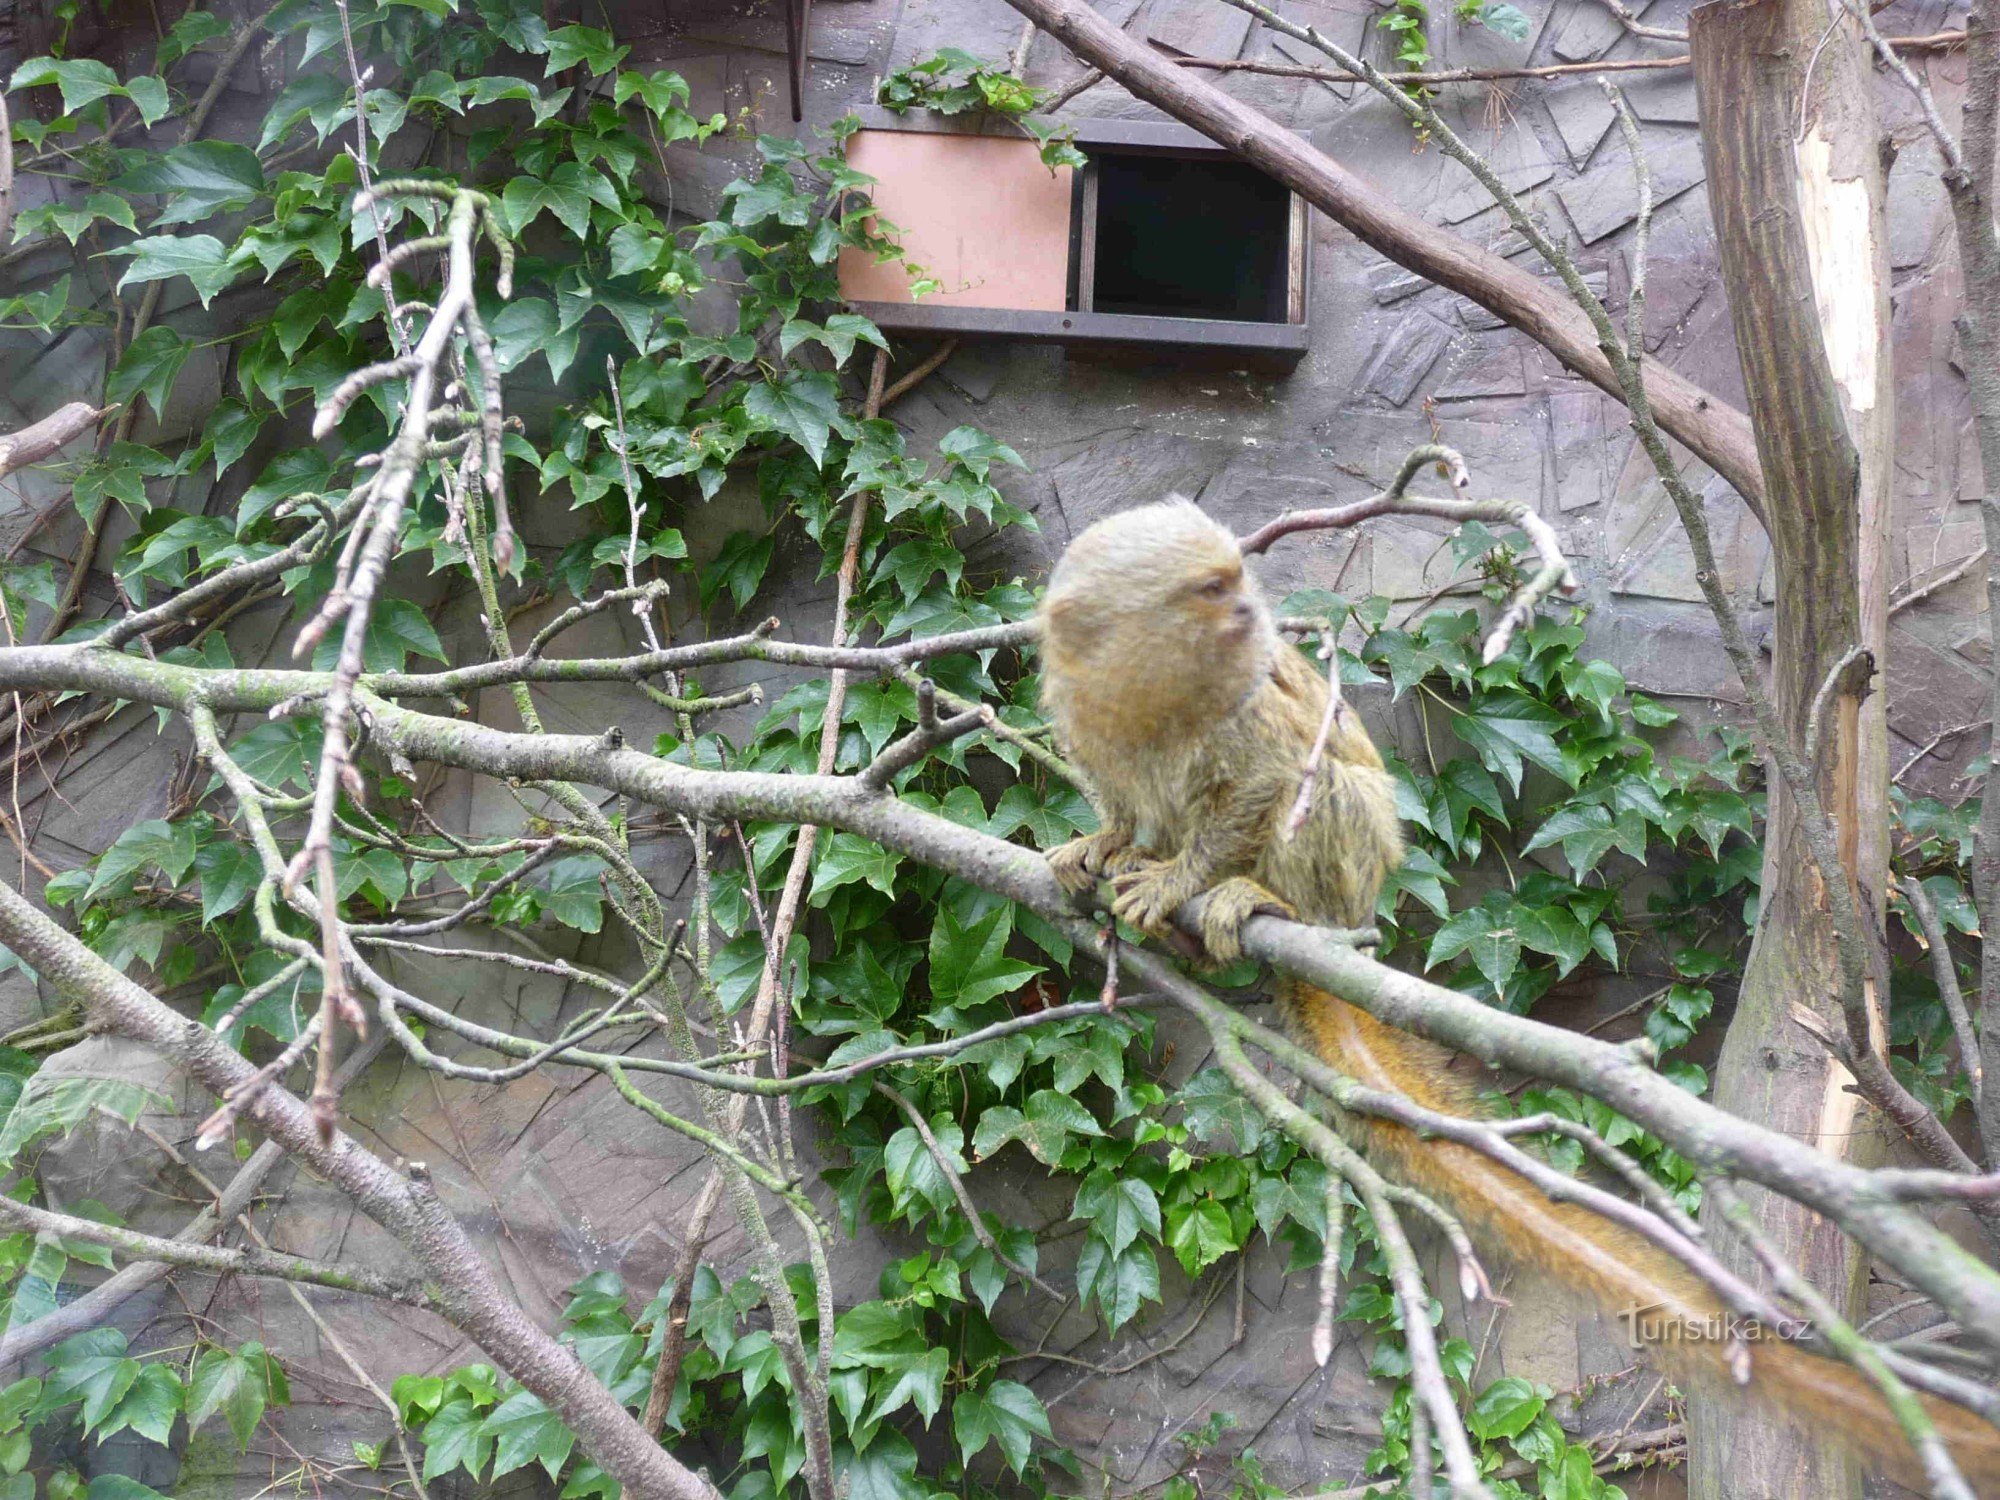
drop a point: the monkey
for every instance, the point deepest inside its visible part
(1171, 689)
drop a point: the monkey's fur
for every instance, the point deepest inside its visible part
(1170, 687)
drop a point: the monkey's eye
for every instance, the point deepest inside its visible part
(1215, 588)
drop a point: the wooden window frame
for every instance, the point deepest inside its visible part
(1270, 345)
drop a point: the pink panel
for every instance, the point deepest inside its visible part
(980, 214)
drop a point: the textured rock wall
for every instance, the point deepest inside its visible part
(560, 1179)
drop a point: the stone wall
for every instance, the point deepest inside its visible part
(558, 1178)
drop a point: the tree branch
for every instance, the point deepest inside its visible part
(1713, 429)
(462, 1289)
(54, 432)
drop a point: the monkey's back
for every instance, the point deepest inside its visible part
(1333, 867)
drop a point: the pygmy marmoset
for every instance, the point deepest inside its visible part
(1171, 688)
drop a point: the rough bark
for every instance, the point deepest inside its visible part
(1972, 200)
(1709, 426)
(1797, 200)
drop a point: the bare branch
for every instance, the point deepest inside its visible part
(1946, 1482)
(931, 733)
(1555, 572)
(215, 1260)
(54, 432)
(459, 1284)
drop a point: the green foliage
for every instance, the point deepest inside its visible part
(954, 82)
(1933, 846)
(94, 1383)
(1408, 21)
(922, 1348)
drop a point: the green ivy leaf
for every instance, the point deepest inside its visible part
(231, 429)
(969, 963)
(1006, 1413)
(525, 1431)
(1488, 936)
(803, 407)
(886, 1471)
(1298, 1196)
(397, 630)
(155, 842)
(911, 1170)
(525, 199)
(150, 363)
(573, 893)
(570, 45)
(1044, 1127)
(738, 568)
(920, 1382)
(198, 179)
(229, 873)
(456, 1438)
(92, 1368)
(239, 1383)
(110, 1487)
(1507, 727)
(161, 257)
(1200, 1235)
(1554, 930)
(148, 1406)
(83, 80)
(1120, 1283)
(1505, 1409)
(1507, 20)
(295, 472)
(1218, 1114)
(1118, 1208)
(976, 451)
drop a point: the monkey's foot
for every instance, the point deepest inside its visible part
(1147, 895)
(1227, 907)
(1081, 863)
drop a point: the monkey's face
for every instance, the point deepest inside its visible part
(1218, 603)
(1157, 598)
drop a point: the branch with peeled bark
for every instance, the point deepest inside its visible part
(1969, 180)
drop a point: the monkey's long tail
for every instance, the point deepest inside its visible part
(1621, 1270)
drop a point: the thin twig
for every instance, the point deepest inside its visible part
(973, 1217)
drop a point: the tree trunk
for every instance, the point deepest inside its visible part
(1797, 193)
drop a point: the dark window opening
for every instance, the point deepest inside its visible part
(1190, 238)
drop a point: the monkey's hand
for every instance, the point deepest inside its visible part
(1081, 863)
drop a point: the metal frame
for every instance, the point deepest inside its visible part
(1277, 345)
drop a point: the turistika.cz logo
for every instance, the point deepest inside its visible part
(1658, 1324)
